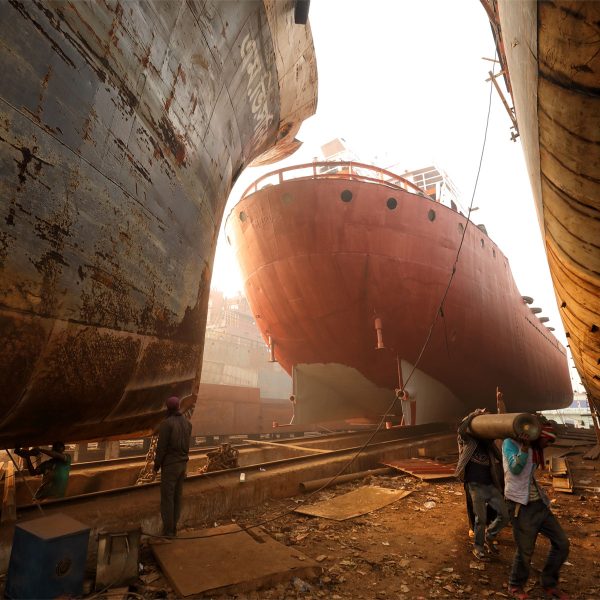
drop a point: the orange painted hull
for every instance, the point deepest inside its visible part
(319, 270)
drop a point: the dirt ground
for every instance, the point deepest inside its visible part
(417, 547)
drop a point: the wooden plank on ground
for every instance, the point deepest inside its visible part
(229, 560)
(561, 475)
(353, 504)
(425, 469)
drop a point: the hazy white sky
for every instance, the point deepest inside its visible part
(403, 81)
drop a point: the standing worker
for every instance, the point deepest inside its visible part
(54, 471)
(479, 468)
(529, 508)
(172, 454)
(500, 404)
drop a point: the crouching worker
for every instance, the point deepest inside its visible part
(479, 468)
(529, 508)
(54, 471)
(172, 454)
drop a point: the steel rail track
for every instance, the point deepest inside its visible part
(200, 450)
(406, 435)
(209, 497)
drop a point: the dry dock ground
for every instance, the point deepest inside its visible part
(417, 547)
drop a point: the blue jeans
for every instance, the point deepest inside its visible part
(534, 518)
(483, 495)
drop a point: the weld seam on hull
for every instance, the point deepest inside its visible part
(565, 83)
(572, 201)
(567, 168)
(83, 159)
(569, 132)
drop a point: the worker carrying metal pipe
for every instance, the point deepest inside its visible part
(172, 455)
(529, 507)
(54, 471)
(479, 468)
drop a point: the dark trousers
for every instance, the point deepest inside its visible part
(491, 513)
(534, 518)
(171, 487)
(482, 496)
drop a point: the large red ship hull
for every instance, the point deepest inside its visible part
(318, 271)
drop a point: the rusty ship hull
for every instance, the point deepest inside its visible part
(327, 259)
(550, 56)
(123, 127)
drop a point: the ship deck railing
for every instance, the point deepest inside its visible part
(335, 170)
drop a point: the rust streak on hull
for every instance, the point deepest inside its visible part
(123, 127)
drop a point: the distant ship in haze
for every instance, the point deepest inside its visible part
(241, 390)
(578, 413)
(235, 352)
(345, 265)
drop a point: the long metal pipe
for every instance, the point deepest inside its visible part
(315, 484)
(491, 427)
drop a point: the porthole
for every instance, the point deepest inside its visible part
(346, 196)
(392, 203)
(494, 252)
(242, 216)
(228, 240)
(461, 228)
(286, 199)
(481, 242)
(431, 215)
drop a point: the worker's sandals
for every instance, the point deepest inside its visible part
(492, 547)
(551, 592)
(479, 554)
(517, 592)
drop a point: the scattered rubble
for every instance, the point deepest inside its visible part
(406, 550)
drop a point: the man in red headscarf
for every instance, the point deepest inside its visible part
(529, 507)
(172, 454)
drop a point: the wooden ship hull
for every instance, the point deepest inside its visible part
(550, 55)
(345, 272)
(123, 127)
